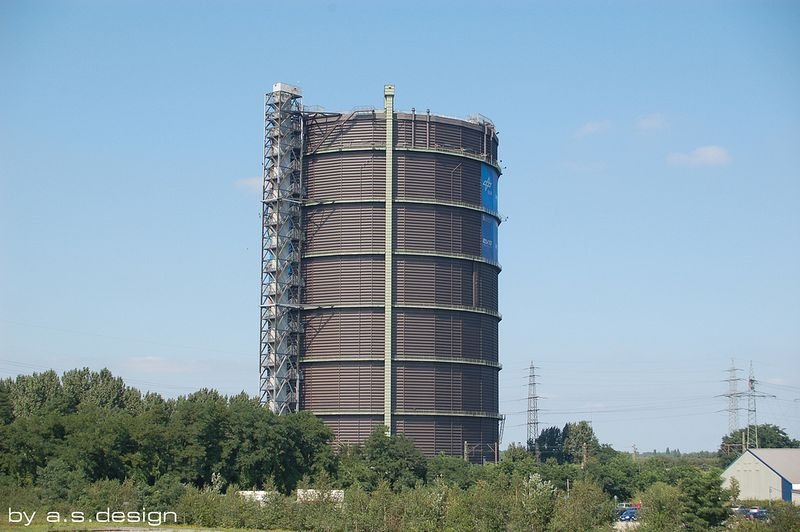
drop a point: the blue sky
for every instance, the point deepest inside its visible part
(651, 185)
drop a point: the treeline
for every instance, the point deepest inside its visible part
(84, 440)
(87, 426)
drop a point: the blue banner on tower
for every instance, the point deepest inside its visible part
(489, 178)
(489, 237)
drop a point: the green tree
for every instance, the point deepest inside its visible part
(252, 445)
(353, 469)
(488, 506)
(451, 470)
(197, 429)
(579, 438)
(58, 482)
(560, 474)
(531, 502)
(27, 443)
(661, 509)
(517, 461)
(394, 458)
(104, 390)
(99, 442)
(661, 468)
(587, 508)
(516, 453)
(703, 500)
(38, 393)
(152, 456)
(6, 411)
(305, 449)
(550, 444)
(615, 472)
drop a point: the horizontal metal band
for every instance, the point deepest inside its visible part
(382, 147)
(456, 256)
(323, 254)
(426, 413)
(434, 359)
(413, 201)
(445, 413)
(376, 413)
(474, 310)
(454, 204)
(332, 306)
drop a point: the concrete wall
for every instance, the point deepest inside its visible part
(756, 480)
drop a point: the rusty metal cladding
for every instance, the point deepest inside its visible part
(345, 175)
(441, 434)
(344, 228)
(343, 281)
(448, 335)
(343, 386)
(351, 428)
(343, 333)
(439, 177)
(444, 335)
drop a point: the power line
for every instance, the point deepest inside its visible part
(676, 404)
(647, 418)
(124, 338)
(26, 366)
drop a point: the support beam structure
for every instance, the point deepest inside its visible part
(388, 107)
(281, 237)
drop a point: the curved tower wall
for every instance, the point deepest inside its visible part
(434, 353)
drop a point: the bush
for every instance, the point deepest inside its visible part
(113, 495)
(58, 484)
(322, 514)
(532, 502)
(356, 514)
(199, 507)
(164, 494)
(784, 516)
(425, 507)
(19, 497)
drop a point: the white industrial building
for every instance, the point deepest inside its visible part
(766, 474)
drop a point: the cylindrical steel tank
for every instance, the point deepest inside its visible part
(440, 367)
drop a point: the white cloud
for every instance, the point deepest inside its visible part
(651, 122)
(592, 128)
(252, 184)
(702, 156)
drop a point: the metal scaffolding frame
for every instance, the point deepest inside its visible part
(281, 242)
(533, 408)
